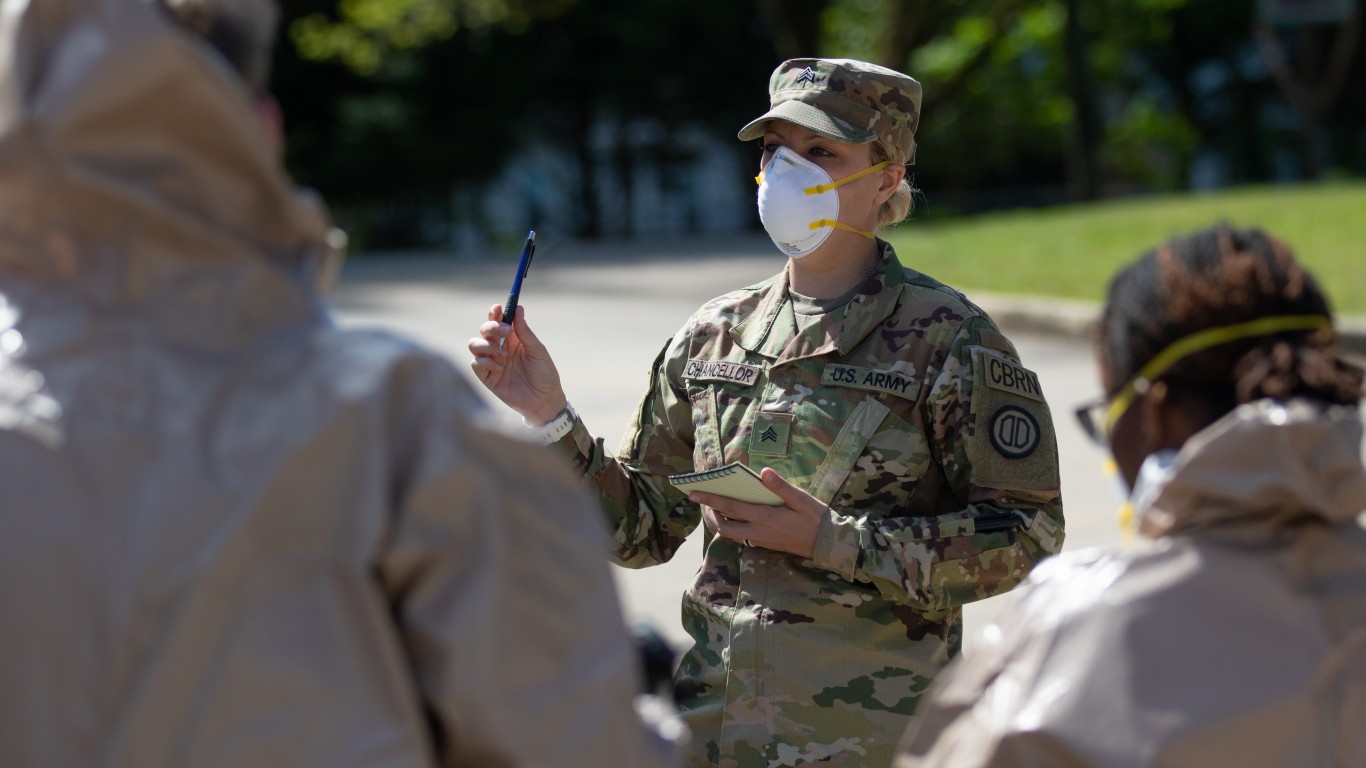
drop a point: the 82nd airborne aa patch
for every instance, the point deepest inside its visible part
(1014, 432)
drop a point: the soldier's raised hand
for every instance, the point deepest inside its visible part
(519, 371)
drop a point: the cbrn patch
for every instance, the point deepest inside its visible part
(1008, 376)
(1014, 432)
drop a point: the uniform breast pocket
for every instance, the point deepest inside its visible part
(894, 459)
(865, 460)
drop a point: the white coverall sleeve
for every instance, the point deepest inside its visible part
(497, 573)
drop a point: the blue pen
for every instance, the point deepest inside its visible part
(510, 308)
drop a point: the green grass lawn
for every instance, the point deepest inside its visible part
(1071, 251)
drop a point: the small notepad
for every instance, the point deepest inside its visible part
(734, 480)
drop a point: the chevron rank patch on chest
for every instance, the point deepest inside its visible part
(771, 434)
(720, 370)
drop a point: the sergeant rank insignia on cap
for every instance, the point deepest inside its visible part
(807, 76)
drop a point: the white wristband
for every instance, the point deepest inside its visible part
(557, 427)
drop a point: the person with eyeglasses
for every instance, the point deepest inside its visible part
(1235, 632)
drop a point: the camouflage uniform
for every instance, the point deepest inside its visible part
(910, 415)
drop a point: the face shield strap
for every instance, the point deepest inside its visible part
(1198, 342)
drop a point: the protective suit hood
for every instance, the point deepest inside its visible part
(115, 114)
(1306, 465)
(1237, 636)
(234, 533)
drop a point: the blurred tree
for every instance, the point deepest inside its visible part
(1023, 93)
(1311, 75)
(393, 104)
(609, 82)
(1081, 88)
(361, 33)
(795, 26)
(388, 144)
(632, 73)
(890, 31)
(1223, 82)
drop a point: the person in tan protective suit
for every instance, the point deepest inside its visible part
(1235, 634)
(233, 534)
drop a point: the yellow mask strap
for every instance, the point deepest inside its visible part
(817, 224)
(1126, 511)
(819, 188)
(1198, 342)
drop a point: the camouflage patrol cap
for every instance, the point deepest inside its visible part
(845, 100)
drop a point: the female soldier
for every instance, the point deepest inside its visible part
(1239, 636)
(913, 452)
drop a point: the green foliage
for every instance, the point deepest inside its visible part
(994, 95)
(365, 32)
(945, 57)
(1035, 29)
(1150, 145)
(1071, 251)
(405, 105)
(997, 89)
(851, 27)
(368, 29)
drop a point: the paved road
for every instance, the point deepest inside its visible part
(605, 311)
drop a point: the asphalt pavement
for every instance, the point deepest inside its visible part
(605, 310)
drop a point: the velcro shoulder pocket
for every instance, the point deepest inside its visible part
(1013, 446)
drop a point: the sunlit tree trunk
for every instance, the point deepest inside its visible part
(589, 218)
(1081, 87)
(910, 24)
(1314, 89)
(795, 25)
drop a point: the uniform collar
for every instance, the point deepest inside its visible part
(839, 331)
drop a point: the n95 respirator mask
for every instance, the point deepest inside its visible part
(798, 204)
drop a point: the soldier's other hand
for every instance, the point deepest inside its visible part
(519, 371)
(791, 528)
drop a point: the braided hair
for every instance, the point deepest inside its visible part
(1216, 277)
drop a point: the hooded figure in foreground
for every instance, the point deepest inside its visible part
(1236, 633)
(233, 534)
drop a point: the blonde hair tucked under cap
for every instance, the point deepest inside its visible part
(845, 100)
